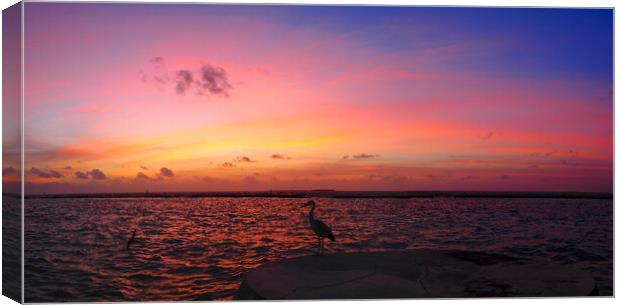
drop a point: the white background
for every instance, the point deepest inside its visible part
(537, 3)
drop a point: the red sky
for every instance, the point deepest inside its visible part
(126, 97)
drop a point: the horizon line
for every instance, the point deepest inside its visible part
(330, 193)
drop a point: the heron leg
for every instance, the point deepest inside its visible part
(319, 250)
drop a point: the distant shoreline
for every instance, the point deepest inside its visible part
(333, 194)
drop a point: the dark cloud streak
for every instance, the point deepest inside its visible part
(244, 159)
(360, 156)
(166, 172)
(214, 80)
(184, 81)
(45, 174)
(280, 157)
(206, 79)
(97, 174)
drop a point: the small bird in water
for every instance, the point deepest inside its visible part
(133, 235)
(321, 230)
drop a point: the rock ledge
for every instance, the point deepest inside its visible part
(413, 274)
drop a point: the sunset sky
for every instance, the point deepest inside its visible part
(135, 97)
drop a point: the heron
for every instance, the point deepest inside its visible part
(321, 230)
(133, 235)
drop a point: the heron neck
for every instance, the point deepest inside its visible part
(312, 211)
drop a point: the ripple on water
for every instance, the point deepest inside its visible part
(199, 248)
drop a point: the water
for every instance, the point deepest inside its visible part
(199, 248)
(11, 247)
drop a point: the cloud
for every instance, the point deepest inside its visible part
(94, 174)
(140, 176)
(143, 167)
(365, 156)
(360, 156)
(8, 171)
(97, 174)
(280, 157)
(206, 79)
(55, 174)
(166, 172)
(68, 168)
(244, 159)
(43, 174)
(227, 164)
(504, 177)
(184, 81)
(213, 80)
(157, 72)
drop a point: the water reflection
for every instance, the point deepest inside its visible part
(199, 248)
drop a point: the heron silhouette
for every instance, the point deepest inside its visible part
(321, 230)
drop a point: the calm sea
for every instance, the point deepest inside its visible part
(200, 248)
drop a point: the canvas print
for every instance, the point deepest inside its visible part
(194, 152)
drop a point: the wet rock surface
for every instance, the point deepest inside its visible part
(413, 274)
